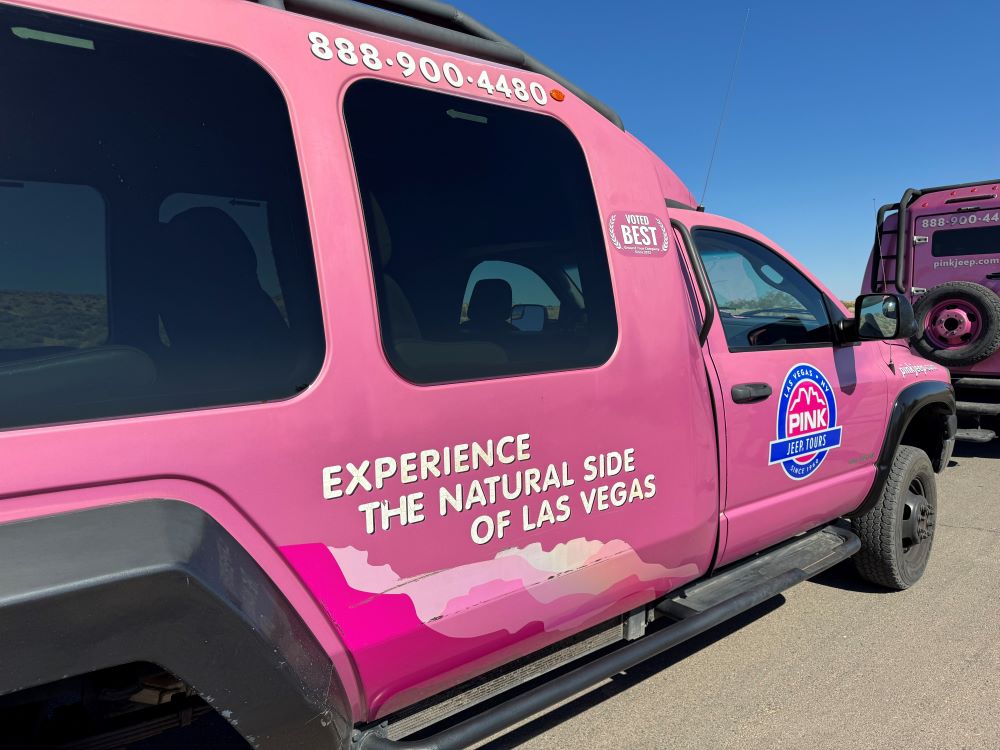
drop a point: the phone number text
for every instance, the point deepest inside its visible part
(956, 220)
(368, 55)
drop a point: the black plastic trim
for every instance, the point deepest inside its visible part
(781, 347)
(910, 401)
(877, 256)
(901, 232)
(750, 393)
(160, 581)
(700, 276)
(970, 198)
(671, 203)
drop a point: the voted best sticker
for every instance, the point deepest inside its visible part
(807, 426)
(638, 234)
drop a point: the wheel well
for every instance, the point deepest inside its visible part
(928, 431)
(145, 581)
(111, 708)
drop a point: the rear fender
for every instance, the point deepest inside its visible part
(161, 581)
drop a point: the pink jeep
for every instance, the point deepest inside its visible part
(356, 369)
(947, 262)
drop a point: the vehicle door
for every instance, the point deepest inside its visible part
(510, 461)
(804, 417)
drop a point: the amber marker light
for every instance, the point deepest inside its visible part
(557, 95)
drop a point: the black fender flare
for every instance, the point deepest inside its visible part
(160, 581)
(910, 402)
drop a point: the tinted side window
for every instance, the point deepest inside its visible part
(763, 300)
(154, 255)
(485, 239)
(53, 268)
(966, 241)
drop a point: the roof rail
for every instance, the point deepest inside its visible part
(439, 25)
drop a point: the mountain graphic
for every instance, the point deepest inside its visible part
(811, 394)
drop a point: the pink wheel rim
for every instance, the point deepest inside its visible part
(953, 324)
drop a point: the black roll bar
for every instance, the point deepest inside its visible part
(910, 195)
(877, 246)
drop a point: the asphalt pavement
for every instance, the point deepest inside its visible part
(833, 663)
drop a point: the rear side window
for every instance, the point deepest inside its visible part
(154, 251)
(966, 241)
(486, 243)
(53, 267)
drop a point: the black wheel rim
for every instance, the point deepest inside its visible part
(918, 519)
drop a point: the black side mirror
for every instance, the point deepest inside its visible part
(879, 317)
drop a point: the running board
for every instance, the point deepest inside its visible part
(975, 435)
(978, 408)
(745, 586)
(811, 553)
(977, 382)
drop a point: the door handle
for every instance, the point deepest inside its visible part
(993, 275)
(750, 393)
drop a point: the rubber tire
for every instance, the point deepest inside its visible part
(882, 560)
(988, 304)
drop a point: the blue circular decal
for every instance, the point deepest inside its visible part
(807, 428)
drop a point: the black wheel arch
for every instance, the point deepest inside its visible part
(923, 415)
(160, 581)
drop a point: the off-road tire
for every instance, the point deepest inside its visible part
(884, 559)
(983, 299)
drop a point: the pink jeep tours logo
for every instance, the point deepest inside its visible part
(807, 422)
(638, 234)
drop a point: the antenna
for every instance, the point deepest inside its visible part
(725, 106)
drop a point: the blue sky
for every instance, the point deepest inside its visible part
(834, 103)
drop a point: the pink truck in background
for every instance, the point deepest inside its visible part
(947, 262)
(357, 372)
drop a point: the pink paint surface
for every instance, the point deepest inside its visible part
(411, 611)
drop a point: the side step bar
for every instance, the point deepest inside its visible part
(978, 408)
(977, 382)
(975, 435)
(811, 553)
(785, 566)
